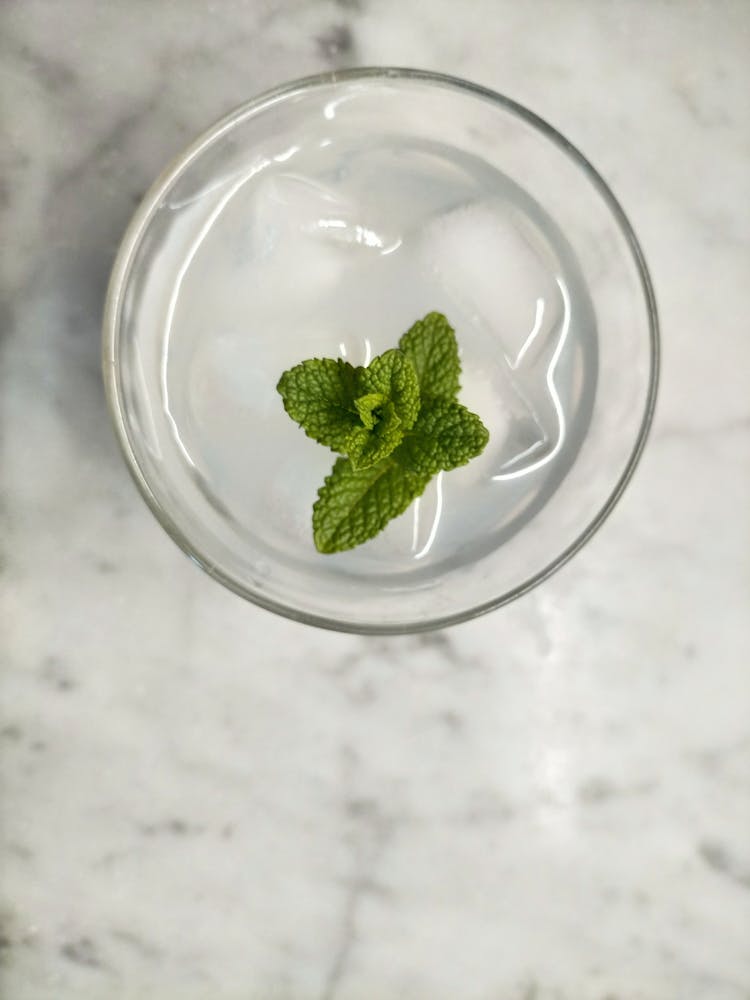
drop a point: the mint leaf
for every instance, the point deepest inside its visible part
(445, 436)
(319, 395)
(431, 347)
(354, 505)
(392, 374)
(368, 447)
(368, 408)
(387, 408)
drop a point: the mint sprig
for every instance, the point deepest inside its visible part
(396, 423)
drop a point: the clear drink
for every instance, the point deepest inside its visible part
(335, 251)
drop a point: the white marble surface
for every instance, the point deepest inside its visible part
(201, 800)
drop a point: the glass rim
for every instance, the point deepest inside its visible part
(111, 337)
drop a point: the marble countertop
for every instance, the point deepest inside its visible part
(202, 800)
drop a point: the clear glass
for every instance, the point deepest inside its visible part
(322, 219)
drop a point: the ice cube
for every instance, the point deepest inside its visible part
(490, 257)
(498, 266)
(302, 208)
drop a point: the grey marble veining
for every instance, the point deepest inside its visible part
(200, 800)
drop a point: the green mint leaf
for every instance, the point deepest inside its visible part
(354, 505)
(445, 436)
(319, 394)
(392, 375)
(368, 447)
(387, 408)
(431, 347)
(368, 407)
